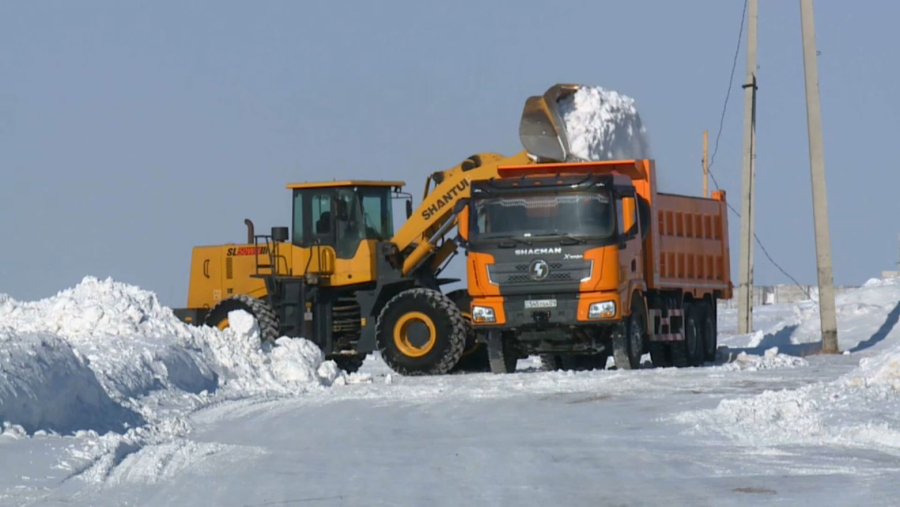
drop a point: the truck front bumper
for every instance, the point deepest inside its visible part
(544, 311)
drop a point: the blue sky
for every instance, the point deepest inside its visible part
(131, 131)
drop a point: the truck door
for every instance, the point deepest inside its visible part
(630, 249)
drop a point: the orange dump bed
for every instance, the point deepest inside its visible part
(688, 248)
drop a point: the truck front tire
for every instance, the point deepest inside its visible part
(502, 353)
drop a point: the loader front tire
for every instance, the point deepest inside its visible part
(421, 332)
(260, 310)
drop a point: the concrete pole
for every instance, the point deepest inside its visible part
(817, 172)
(706, 164)
(745, 287)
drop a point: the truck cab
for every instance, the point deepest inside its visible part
(552, 259)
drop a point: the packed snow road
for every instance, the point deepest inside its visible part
(757, 428)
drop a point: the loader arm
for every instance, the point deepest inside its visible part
(419, 237)
(544, 137)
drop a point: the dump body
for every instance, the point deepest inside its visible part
(561, 256)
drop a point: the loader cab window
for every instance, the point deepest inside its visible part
(342, 217)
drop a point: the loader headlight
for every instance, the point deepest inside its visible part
(482, 314)
(602, 310)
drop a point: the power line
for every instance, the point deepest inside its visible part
(737, 50)
(712, 159)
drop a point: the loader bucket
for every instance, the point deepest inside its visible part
(542, 130)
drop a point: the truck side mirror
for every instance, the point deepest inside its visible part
(409, 208)
(279, 234)
(460, 206)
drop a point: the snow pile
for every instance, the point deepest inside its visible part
(859, 409)
(770, 359)
(603, 125)
(866, 318)
(881, 371)
(106, 356)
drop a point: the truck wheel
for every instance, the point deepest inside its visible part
(502, 354)
(350, 364)
(710, 332)
(265, 317)
(420, 332)
(659, 355)
(581, 362)
(475, 357)
(628, 341)
(689, 352)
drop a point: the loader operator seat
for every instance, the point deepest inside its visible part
(323, 224)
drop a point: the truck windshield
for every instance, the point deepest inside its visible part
(534, 216)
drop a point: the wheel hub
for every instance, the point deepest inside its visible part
(415, 334)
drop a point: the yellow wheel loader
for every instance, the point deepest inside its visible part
(344, 279)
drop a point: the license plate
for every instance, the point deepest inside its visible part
(540, 303)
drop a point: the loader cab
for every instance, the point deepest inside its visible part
(343, 214)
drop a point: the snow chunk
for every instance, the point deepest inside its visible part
(603, 125)
(769, 360)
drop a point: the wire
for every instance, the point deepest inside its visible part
(712, 159)
(768, 256)
(737, 50)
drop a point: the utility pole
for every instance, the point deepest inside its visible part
(745, 287)
(817, 172)
(706, 164)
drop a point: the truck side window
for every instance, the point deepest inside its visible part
(626, 213)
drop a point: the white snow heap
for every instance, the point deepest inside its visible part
(105, 356)
(603, 125)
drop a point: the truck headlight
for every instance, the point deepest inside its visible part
(602, 310)
(482, 314)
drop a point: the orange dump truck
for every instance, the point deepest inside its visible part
(579, 261)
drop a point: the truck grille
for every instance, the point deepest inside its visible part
(509, 273)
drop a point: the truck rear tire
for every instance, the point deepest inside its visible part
(710, 331)
(269, 328)
(689, 352)
(421, 332)
(628, 342)
(502, 354)
(659, 355)
(580, 362)
(350, 364)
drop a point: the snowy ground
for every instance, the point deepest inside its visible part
(107, 400)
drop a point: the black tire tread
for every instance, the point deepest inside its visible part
(348, 363)
(267, 320)
(441, 303)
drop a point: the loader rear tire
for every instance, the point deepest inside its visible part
(269, 327)
(421, 332)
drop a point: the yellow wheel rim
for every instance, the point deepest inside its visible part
(223, 324)
(418, 327)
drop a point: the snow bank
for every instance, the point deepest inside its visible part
(858, 410)
(770, 359)
(866, 318)
(106, 356)
(603, 125)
